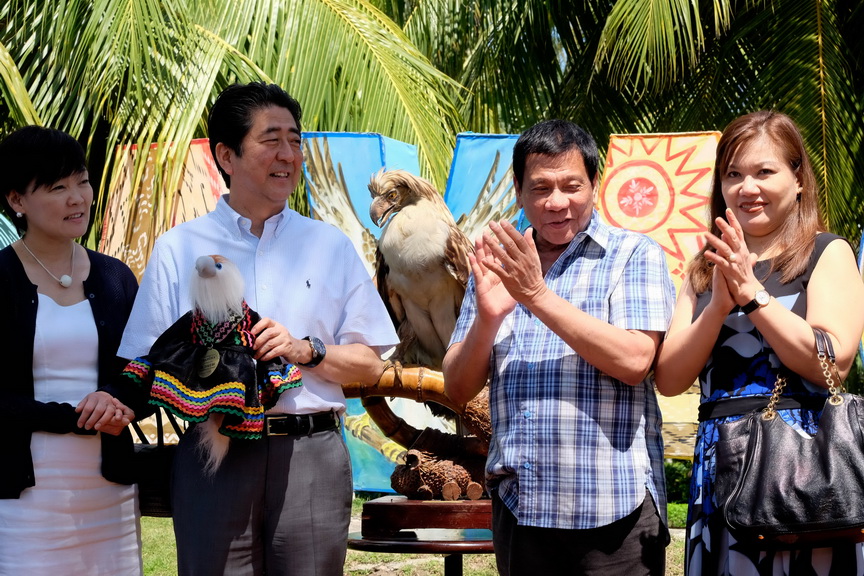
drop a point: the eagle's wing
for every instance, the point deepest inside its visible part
(330, 201)
(496, 201)
(456, 253)
(392, 300)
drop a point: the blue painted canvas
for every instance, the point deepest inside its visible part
(337, 169)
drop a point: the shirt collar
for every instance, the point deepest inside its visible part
(596, 231)
(234, 221)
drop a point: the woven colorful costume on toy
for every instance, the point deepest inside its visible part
(196, 368)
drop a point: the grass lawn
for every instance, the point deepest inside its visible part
(160, 554)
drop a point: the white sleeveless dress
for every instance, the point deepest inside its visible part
(73, 521)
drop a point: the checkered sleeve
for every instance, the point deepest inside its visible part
(644, 296)
(466, 314)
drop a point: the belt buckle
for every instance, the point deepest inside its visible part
(269, 420)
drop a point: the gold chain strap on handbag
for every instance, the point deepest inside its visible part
(825, 353)
(771, 410)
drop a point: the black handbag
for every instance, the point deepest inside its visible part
(779, 489)
(153, 463)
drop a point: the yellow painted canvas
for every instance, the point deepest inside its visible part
(132, 223)
(659, 185)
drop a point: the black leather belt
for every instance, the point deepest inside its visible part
(299, 424)
(740, 405)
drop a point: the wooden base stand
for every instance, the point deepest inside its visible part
(387, 516)
(397, 525)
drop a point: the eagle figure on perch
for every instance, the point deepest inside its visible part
(421, 264)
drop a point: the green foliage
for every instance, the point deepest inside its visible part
(677, 480)
(146, 71)
(677, 514)
(855, 381)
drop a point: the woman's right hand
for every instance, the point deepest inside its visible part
(733, 258)
(722, 302)
(102, 412)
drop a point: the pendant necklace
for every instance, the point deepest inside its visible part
(65, 280)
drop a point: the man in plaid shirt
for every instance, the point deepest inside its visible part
(564, 320)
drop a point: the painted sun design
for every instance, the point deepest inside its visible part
(659, 184)
(637, 197)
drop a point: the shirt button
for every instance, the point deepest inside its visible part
(527, 414)
(526, 465)
(536, 321)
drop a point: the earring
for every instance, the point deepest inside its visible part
(19, 215)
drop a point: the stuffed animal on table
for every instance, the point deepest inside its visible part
(202, 368)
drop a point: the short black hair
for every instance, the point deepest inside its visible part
(551, 138)
(34, 156)
(231, 115)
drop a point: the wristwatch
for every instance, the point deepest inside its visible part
(318, 351)
(760, 300)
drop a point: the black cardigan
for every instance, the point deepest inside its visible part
(110, 288)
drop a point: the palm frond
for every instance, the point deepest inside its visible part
(650, 42)
(795, 56)
(143, 72)
(353, 69)
(14, 91)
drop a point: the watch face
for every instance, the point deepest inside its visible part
(318, 351)
(318, 348)
(762, 297)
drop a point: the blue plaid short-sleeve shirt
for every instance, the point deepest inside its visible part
(572, 447)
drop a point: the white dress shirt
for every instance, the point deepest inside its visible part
(303, 273)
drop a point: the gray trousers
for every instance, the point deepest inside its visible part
(279, 506)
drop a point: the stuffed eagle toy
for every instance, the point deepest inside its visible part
(202, 369)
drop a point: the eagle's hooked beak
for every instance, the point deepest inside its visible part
(382, 217)
(386, 217)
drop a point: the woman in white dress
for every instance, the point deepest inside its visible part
(67, 501)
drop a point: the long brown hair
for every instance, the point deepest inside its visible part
(797, 234)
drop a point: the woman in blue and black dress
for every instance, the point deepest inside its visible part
(768, 275)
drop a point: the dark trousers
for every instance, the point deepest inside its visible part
(632, 546)
(278, 506)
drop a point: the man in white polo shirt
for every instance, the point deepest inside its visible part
(279, 505)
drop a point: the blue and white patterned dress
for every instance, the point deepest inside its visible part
(743, 364)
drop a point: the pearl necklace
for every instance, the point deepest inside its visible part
(65, 280)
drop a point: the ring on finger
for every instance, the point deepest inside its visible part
(731, 258)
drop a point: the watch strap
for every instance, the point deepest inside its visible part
(762, 298)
